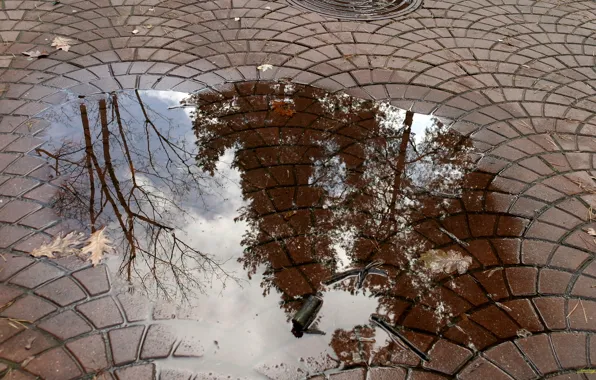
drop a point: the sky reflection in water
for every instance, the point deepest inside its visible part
(295, 183)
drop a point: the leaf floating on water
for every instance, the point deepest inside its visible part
(62, 43)
(36, 53)
(63, 246)
(439, 261)
(97, 245)
(264, 67)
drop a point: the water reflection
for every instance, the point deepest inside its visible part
(314, 194)
(125, 165)
(334, 182)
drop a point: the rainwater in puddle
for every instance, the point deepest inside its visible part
(240, 206)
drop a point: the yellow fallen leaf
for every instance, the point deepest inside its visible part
(97, 245)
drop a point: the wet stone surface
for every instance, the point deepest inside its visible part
(283, 231)
(358, 9)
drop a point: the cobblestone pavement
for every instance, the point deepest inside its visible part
(517, 76)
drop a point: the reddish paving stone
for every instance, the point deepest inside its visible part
(90, 351)
(94, 279)
(65, 325)
(538, 349)
(582, 315)
(136, 308)
(125, 344)
(8, 329)
(158, 342)
(12, 234)
(510, 359)
(447, 357)
(139, 372)
(36, 275)
(354, 374)
(63, 291)
(54, 364)
(16, 210)
(19, 375)
(15, 349)
(102, 312)
(522, 280)
(7, 294)
(570, 349)
(553, 281)
(552, 311)
(536, 252)
(482, 369)
(522, 311)
(422, 375)
(11, 264)
(29, 308)
(387, 373)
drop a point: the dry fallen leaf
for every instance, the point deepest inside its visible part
(97, 244)
(439, 261)
(135, 31)
(36, 53)
(62, 43)
(63, 246)
(591, 231)
(264, 67)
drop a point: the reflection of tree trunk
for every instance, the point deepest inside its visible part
(401, 160)
(88, 164)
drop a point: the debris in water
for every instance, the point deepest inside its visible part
(439, 261)
(371, 269)
(306, 316)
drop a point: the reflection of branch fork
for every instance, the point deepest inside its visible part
(371, 269)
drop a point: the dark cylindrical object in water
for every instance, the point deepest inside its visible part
(306, 315)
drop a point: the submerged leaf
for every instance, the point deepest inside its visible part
(97, 244)
(62, 246)
(439, 261)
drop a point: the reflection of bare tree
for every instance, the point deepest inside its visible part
(330, 175)
(131, 173)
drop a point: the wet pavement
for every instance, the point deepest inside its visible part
(237, 186)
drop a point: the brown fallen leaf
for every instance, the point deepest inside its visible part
(63, 246)
(36, 53)
(62, 43)
(97, 245)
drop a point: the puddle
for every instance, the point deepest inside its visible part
(239, 205)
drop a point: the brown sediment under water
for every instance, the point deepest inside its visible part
(233, 206)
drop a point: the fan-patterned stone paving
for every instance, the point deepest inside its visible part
(517, 77)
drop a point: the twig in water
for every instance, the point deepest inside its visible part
(453, 237)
